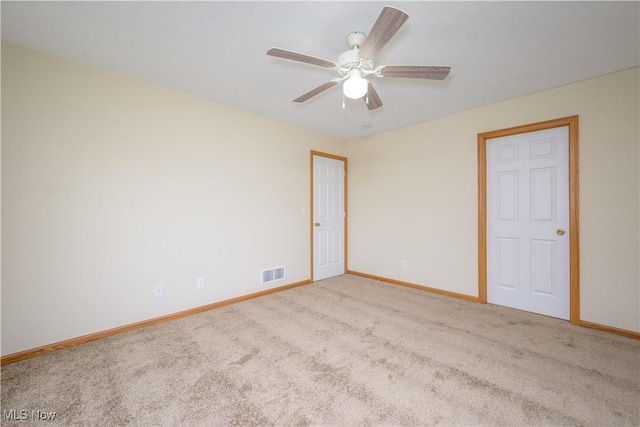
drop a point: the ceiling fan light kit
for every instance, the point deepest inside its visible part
(355, 87)
(356, 64)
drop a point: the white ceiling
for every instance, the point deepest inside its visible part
(217, 50)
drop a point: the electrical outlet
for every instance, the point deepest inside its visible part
(200, 282)
(158, 290)
(405, 264)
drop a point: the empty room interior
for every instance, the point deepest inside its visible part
(296, 213)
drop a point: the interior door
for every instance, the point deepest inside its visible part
(528, 221)
(328, 217)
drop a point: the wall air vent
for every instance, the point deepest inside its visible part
(271, 275)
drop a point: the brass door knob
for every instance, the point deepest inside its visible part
(317, 224)
(560, 231)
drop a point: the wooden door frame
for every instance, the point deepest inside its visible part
(574, 247)
(311, 206)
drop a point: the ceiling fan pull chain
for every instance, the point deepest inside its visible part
(343, 106)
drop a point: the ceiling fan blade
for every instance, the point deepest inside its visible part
(372, 99)
(294, 56)
(415, 72)
(314, 92)
(388, 22)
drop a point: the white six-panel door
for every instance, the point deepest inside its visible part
(528, 221)
(328, 217)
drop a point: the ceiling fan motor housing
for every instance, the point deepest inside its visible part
(349, 59)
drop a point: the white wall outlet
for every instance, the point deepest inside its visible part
(405, 264)
(200, 282)
(158, 290)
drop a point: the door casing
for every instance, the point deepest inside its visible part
(311, 208)
(574, 248)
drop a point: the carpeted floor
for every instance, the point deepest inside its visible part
(344, 351)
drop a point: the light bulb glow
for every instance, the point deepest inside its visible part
(355, 86)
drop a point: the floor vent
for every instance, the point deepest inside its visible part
(271, 275)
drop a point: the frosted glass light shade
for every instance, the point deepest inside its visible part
(355, 86)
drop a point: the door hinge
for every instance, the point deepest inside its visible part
(344, 214)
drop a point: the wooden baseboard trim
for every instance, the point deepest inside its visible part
(27, 354)
(415, 286)
(624, 332)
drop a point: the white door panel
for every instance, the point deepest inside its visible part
(527, 203)
(328, 217)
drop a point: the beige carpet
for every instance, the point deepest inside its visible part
(344, 351)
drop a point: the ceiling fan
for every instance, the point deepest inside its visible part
(356, 64)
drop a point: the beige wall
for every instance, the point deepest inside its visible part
(111, 185)
(413, 195)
